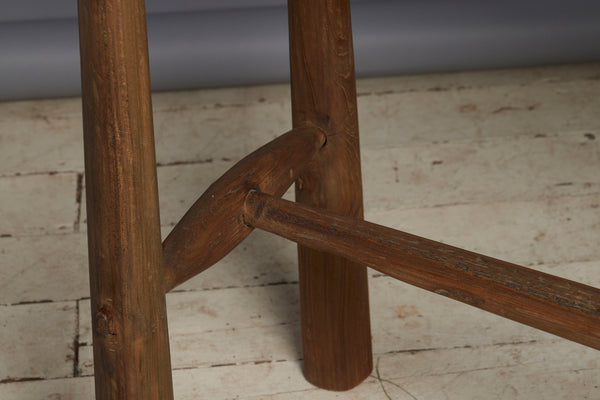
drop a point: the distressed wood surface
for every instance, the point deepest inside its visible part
(530, 215)
(37, 340)
(521, 168)
(128, 307)
(267, 328)
(508, 371)
(43, 268)
(386, 114)
(52, 197)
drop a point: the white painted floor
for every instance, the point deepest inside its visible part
(506, 163)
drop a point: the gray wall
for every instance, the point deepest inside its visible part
(239, 42)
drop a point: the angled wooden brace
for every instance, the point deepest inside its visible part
(214, 225)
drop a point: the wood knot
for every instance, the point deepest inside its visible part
(104, 323)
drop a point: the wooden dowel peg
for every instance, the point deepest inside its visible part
(556, 305)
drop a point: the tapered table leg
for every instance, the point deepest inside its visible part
(131, 348)
(336, 336)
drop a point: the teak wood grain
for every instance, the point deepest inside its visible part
(131, 346)
(556, 305)
(214, 225)
(334, 301)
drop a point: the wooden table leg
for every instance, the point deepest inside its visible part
(336, 335)
(131, 347)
